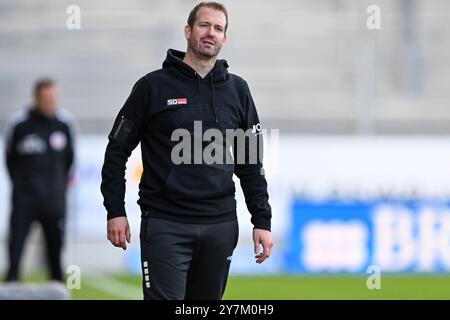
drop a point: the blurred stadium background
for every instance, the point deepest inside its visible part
(359, 177)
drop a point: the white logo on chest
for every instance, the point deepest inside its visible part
(58, 140)
(31, 144)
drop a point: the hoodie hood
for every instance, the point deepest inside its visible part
(219, 72)
(174, 59)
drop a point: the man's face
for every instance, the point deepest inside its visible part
(46, 100)
(207, 37)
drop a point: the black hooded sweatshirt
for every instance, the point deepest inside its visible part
(39, 156)
(193, 192)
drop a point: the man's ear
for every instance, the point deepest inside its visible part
(225, 38)
(187, 32)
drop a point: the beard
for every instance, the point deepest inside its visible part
(202, 52)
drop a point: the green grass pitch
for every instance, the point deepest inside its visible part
(289, 287)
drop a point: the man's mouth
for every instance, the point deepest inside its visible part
(208, 42)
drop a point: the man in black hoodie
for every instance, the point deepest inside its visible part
(189, 226)
(39, 156)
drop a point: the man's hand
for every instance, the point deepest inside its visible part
(263, 237)
(119, 232)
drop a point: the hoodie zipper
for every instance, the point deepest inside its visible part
(119, 127)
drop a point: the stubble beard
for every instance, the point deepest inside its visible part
(195, 47)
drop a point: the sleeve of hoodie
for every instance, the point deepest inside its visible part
(11, 155)
(72, 133)
(125, 135)
(251, 173)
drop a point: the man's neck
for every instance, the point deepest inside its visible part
(203, 67)
(47, 115)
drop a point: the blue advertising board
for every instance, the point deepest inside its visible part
(348, 237)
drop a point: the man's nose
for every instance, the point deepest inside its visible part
(211, 31)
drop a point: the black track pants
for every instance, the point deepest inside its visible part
(186, 261)
(52, 222)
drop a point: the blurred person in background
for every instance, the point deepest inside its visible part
(189, 225)
(39, 157)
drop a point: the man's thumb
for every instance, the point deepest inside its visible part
(256, 246)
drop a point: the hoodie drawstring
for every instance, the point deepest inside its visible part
(198, 85)
(212, 93)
